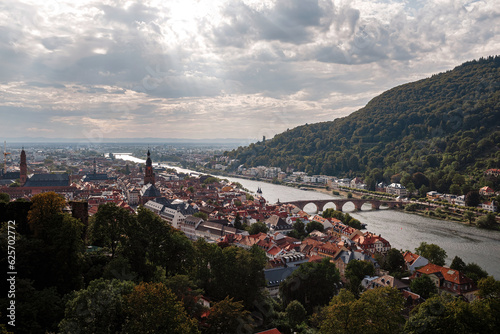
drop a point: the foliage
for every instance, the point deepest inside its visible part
(296, 313)
(314, 226)
(423, 286)
(4, 198)
(154, 308)
(230, 271)
(98, 309)
(258, 227)
(432, 252)
(187, 292)
(376, 311)
(488, 221)
(394, 261)
(469, 216)
(313, 284)
(458, 264)
(474, 272)
(227, 316)
(355, 271)
(439, 127)
(445, 314)
(109, 225)
(472, 198)
(44, 206)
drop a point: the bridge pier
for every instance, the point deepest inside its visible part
(375, 206)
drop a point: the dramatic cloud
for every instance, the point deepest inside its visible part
(212, 69)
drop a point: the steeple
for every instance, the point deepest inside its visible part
(23, 168)
(95, 168)
(149, 175)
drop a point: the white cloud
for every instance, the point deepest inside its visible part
(205, 68)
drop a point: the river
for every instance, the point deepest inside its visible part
(404, 231)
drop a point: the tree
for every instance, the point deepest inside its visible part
(258, 227)
(355, 271)
(394, 261)
(377, 311)
(469, 216)
(296, 313)
(445, 314)
(313, 284)
(300, 227)
(187, 292)
(5, 198)
(474, 272)
(43, 207)
(237, 222)
(423, 286)
(314, 226)
(227, 316)
(109, 225)
(230, 271)
(488, 221)
(432, 252)
(154, 308)
(97, 309)
(472, 199)
(339, 316)
(457, 264)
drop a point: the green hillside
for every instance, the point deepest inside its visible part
(441, 132)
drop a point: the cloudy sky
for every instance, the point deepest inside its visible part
(219, 69)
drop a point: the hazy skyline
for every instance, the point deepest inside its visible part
(217, 69)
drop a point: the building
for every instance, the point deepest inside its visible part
(490, 206)
(149, 175)
(448, 281)
(95, 177)
(414, 261)
(277, 224)
(396, 189)
(148, 191)
(486, 191)
(40, 183)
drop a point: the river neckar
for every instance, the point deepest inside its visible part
(403, 230)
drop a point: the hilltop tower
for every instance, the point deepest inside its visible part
(149, 175)
(24, 168)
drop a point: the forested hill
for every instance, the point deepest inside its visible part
(439, 126)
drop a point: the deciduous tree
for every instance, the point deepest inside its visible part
(154, 308)
(432, 252)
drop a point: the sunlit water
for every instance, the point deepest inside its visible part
(404, 231)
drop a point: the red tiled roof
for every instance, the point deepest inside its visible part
(448, 274)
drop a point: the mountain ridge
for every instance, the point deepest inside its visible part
(448, 123)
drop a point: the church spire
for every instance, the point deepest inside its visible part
(149, 175)
(23, 168)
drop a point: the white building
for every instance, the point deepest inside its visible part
(396, 189)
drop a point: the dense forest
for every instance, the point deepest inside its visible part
(439, 133)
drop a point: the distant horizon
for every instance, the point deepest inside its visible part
(143, 140)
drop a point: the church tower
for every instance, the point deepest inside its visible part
(149, 176)
(95, 167)
(24, 168)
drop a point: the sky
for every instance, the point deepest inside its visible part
(220, 69)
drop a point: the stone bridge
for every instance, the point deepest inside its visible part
(339, 203)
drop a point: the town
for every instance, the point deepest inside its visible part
(218, 211)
